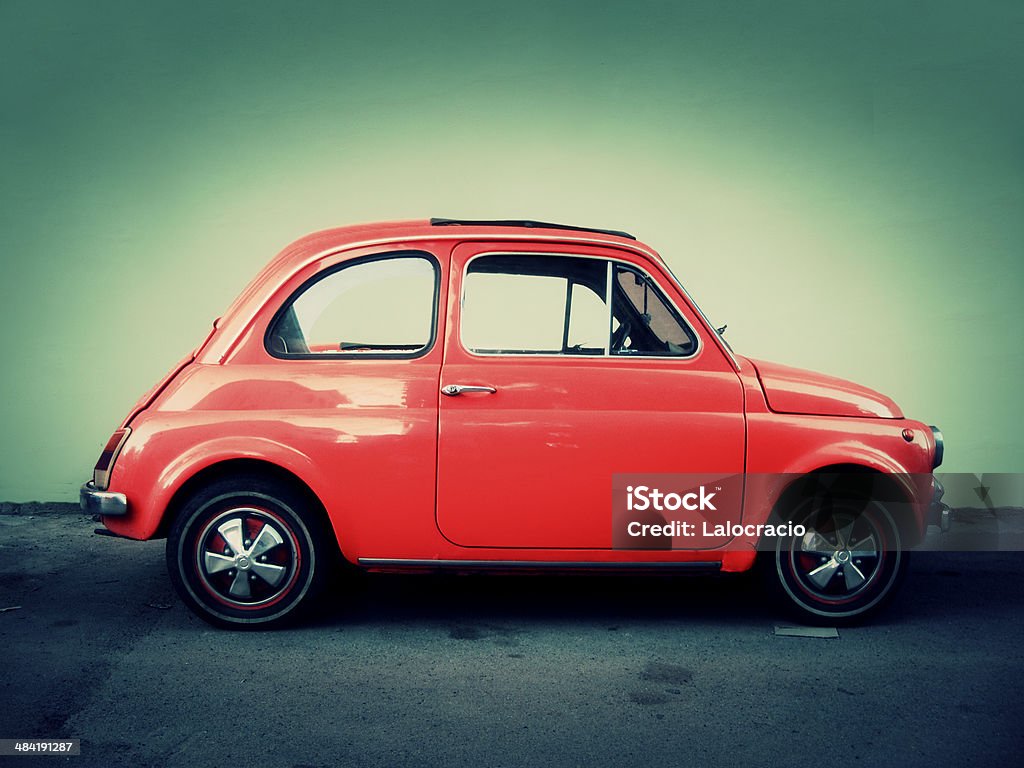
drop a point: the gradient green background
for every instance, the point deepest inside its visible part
(843, 183)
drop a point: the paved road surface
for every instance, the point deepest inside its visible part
(501, 671)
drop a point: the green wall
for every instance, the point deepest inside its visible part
(843, 183)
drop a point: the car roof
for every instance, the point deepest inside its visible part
(316, 245)
(372, 233)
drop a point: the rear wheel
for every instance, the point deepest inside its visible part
(244, 552)
(847, 564)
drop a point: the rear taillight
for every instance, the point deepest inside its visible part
(101, 473)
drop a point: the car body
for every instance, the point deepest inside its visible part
(450, 394)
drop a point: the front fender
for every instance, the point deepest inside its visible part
(784, 448)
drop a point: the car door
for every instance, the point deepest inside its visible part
(547, 394)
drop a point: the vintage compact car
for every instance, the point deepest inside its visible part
(503, 395)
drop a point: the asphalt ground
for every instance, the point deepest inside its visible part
(500, 670)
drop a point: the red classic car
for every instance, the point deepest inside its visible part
(504, 395)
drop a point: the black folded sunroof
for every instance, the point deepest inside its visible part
(529, 223)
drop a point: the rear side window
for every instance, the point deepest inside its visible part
(382, 307)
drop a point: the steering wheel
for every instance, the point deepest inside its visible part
(620, 335)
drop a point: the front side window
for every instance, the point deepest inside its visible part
(535, 305)
(380, 307)
(538, 304)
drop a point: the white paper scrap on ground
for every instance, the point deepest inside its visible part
(822, 632)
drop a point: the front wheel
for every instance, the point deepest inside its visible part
(845, 566)
(247, 553)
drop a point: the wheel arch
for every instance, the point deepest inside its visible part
(854, 479)
(244, 467)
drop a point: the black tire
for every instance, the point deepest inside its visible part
(248, 553)
(845, 567)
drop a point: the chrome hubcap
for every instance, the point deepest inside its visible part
(245, 557)
(839, 558)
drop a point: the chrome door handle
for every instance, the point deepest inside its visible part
(458, 389)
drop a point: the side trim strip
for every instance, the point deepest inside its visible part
(389, 562)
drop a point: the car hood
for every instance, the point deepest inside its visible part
(794, 390)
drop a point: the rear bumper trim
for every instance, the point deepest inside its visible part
(103, 503)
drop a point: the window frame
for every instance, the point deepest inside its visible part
(610, 262)
(341, 267)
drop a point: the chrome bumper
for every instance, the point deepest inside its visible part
(102, 503)
(939, 513)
